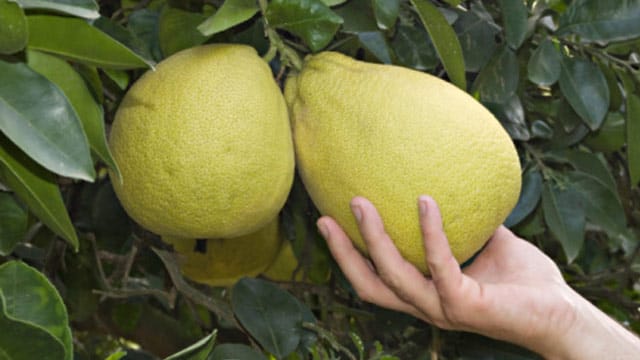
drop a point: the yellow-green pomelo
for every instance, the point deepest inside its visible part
(204, 145)
(225, 261)
(391, 134)
(285, 265)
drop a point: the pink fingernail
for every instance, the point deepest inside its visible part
(356, 212)
(324, 230)
(422, 205)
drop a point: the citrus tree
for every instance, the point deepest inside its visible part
(80, 279)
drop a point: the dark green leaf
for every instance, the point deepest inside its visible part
(357, 16)
(331, 3)
(611, 135)
(13, 28)
(633, 137)
(477, 32)
(144, 23)
(311, 20)
(37, 188)
(453, 2)
(386, 12)
(596, 20)
(585, 88)
(37, 117)
(198, 351)
(13, 223)
(75, 89)
(75, 39)
(124, 36)
(511, 116)
(87, 9)
(376, 44)
(541, 130)
(529, 197)
(31, 298)
(544, 65)
(414, 49)
(24, 341)
(515, 21)
(615, 94)
(498, 80)
(271, 315)
(117, 355)
(178, 31)
(230, 14)
(445, 41)
(235, 351)
(119, 77)
(565, 216)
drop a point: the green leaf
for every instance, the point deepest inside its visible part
(511, 116)
(31, 298)
(38, 118)
(144, 24)
(24, 341)
(633, 137)
(498, 80)
(514, 15)
(177, 30)
(376, 44)
(271, 315)
(357, 16)
(414, 49)
(585, 88)
(75, 39)
(477, 33)
(87, 9)
(453, 2)
(235, 351)
(565, 216)
(596, 20)
(445, 41)
(386, 12)
(13, 28)
(529, 197)
(37, 188)
(311, 20)
(75, 88)
(117, 355)
(611, 135)
(541, 130)
(122, 35)
(230, 14)
(198, 351)
(13, 223)
(544, 65)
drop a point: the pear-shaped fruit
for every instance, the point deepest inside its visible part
(391, 134)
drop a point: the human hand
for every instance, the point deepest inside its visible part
(512, 291)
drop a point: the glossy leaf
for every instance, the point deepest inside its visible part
(585, 88)
(230, 14)
(31, 298)
(633, 137)
(311, 20)
(414, 49)
(75, 89)
(235, 351)
(177, 30)
(198, 351)
(596, 20)
(498, 80)
(476, 31)
(271, 315)
(386, 12)
(611, 135)
(13, 223)
(145, 24)
(37, 188)
(357, 16)
(24, 341)
(75, 39)
(87, 9)
(529, 197)
(544, 65)
(13, 27)
(376, 44)
(511, 116)
(445, 41)
(541, 130)
(515, 21)
(565, 217)
(38, 118)
(123, 35)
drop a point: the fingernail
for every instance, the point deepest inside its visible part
(357, 212)
(324, 230)
(422, 205)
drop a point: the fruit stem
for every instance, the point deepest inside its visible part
(288, 56)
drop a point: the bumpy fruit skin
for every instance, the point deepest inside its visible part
(204, 145)
(391, 134)
(227, 260)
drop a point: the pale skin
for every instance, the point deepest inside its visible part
(512, 291)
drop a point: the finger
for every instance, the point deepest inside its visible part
(401, 276)
(358, 270)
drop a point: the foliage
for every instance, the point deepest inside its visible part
(562, 76)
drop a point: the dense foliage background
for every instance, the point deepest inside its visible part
(78, 279)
